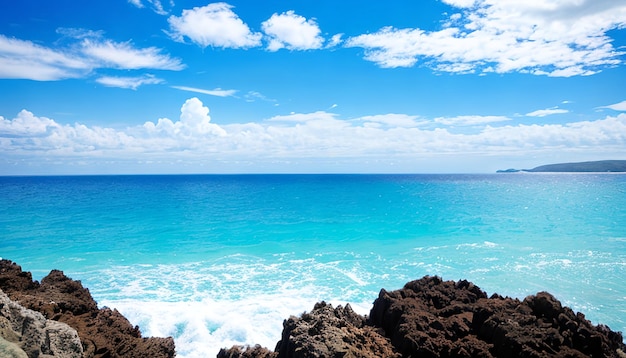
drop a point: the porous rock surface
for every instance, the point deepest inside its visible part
(430, 317)
(104, 333)
(26, 333)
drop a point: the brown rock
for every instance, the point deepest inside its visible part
(331, 332)
(435, 318)
(104, 333)
(246, 352)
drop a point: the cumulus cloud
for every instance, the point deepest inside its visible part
(128, 82)
(213, 25)
(194, 122)
(26, 124)
(293, 32)
(553, 38)
(195, 139)
(547, 112)
(218, 92)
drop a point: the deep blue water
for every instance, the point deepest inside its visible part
(216, 260)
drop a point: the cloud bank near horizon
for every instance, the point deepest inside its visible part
(302, 137)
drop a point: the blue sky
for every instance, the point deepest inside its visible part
(166, 86)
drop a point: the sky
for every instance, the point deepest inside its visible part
(309, 86)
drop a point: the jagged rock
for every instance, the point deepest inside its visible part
(104, 333)
(26, 333)
(435, 318)
(430, 317)
(246, 352)
(331, 332)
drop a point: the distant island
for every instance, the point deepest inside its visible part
(600, 166)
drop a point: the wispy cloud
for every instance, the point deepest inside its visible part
(128, 82)
(21, 59)
(547, 112)
(621, 106)
(156, 5)
(213, 25)
(470, 120)
(391, 120)
(125, 56)
(214, 92)
(557, 39)
(304, 117)
(251, 96)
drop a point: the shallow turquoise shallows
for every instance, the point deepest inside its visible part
(217, 260)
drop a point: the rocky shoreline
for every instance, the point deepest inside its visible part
(428, 317)
(103, 333)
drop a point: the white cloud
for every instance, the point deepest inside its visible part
(157, 6)
(26, 60)
(128, 82)
(218, 92)
(194, 122)
(460, 3)
(252, 96)
(305, 138)
(392, 120)
(26, 125)
(621, 106)
(20, 59)
(547, 112)
(554, 38)
(136, 3)
(124, 56)
(213, 25)
(335, 40)
(293, 32)
(304, 117)
(470, 120)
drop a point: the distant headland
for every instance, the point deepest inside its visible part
(600, 166)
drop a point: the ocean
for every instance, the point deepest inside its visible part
(217, 260)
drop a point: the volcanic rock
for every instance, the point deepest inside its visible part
(104, 333)
(430, 317)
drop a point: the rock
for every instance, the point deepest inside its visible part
(332, 332)
(104, 333)
(435, 318)
(430, 317)
(246, 352)
(26, 333)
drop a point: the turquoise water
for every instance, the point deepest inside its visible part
(217, 260)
